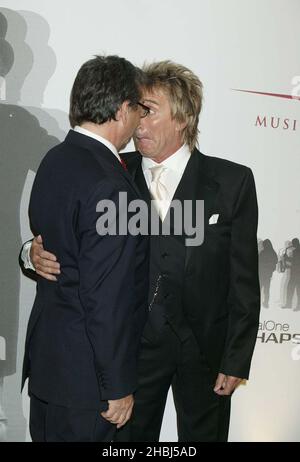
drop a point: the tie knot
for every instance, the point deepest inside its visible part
(156, 172)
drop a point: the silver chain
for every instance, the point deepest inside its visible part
(155, 292)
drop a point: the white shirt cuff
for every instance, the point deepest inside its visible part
(25, 256)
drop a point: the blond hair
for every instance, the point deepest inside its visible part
(184, 90)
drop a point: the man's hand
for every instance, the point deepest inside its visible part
(226, 384)
(44, 262)
(119, 411)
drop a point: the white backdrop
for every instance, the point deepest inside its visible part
(238, 44)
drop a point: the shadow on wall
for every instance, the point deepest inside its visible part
(290, 266)
(287, 263)
(26, 134)
(267, 265)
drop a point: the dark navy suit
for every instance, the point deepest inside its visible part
(84, 330)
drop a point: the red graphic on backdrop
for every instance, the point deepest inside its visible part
(276, 95)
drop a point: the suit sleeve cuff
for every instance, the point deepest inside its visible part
(117, 383)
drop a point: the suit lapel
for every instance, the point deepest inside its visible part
(198, 184)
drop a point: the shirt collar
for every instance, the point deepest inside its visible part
(176, 162)
(99, 138)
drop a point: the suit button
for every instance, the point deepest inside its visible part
(164, 255)
(167, 296)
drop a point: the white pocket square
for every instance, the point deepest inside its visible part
(214, 219)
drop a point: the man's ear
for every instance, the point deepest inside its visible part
(122, 113)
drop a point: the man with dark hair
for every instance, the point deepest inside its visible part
(204, 299)
(84, 330)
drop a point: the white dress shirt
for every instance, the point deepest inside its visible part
(174, 167)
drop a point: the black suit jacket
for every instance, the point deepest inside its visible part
(221, 294)
(84, 331)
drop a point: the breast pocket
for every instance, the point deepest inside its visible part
(222, 228)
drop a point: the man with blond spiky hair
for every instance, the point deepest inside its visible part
(204, 300)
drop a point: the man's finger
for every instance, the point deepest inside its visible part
(47, 255)
(231, 385)
(38, 239)
(104, 416)
(122, 421)
(220, 382)
(116, 416)
(45, 268)
(109, 419)
(46, 275)
(127, 417)
(225, 392)
(110, 415)
(46, 265)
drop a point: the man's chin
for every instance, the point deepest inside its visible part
(141, 147)
(142, 152)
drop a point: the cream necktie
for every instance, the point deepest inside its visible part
(159, 191)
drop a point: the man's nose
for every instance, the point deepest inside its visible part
(141, 126)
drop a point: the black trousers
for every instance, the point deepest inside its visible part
(51, 423)
(202, 415)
